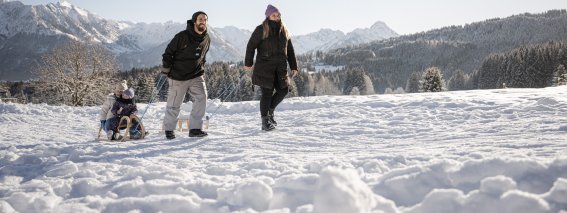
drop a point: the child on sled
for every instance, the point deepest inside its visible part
(123, 106)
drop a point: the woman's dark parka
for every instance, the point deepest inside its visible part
(274, 53)
(185, 54)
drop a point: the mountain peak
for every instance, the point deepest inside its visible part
(379, 24)
(64, 4)
(8, 2)
(328, 30)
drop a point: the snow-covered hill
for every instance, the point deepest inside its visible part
(60, 18)
(468, 151)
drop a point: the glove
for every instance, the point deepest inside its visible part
(165, 71)
(102, 123)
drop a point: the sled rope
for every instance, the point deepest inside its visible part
(159, 86)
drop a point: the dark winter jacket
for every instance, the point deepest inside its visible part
(123, 107)
(186, 54)
(274, 53)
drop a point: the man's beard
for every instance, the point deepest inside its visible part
(201, 27)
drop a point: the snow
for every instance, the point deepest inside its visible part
(466, 151)
(326, 67)
(65, 4)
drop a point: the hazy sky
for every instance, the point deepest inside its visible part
(306, 16)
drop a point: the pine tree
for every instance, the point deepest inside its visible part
(413, 83)
(299, 82)
(145, 89)
(325, 86)
(560, 76)
(458, 81)
(357, 78)
(292, 89)
(245, 88)
(161, 81)
(432, 80)
(367, 85)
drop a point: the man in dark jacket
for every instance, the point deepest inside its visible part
(183, 63)
(273, 42)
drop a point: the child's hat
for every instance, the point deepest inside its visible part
(129, 93)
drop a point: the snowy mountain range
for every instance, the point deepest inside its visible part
(327, 39)
(27, 32)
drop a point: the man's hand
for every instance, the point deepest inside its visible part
(293, 73)
(248, 69)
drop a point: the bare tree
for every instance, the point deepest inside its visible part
(76, 74)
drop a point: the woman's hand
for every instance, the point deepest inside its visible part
(293, 73)
(246, 68)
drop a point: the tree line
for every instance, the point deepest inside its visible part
(458, 51)
(533, 66)
(79, 74)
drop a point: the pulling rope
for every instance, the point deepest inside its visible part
(161, 83)
(159, 86)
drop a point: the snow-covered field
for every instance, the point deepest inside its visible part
(470, 151)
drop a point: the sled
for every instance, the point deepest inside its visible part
(125, 124)
(187, 122)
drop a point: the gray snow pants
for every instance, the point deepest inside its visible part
(176, 94)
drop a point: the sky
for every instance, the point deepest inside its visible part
(306, 16)
(488, 151)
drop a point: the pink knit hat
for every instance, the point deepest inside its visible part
(270, 10)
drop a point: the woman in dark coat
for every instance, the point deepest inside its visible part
(273, 42)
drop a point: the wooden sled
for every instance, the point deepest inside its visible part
(125, 124)
(187, 122)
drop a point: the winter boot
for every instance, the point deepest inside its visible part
(271, 117)
(266, 124)
(113, 136)
(197, 133)
(169, 135)
(136, 136)
(116, 137)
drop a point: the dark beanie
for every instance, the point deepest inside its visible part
(194, 17)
